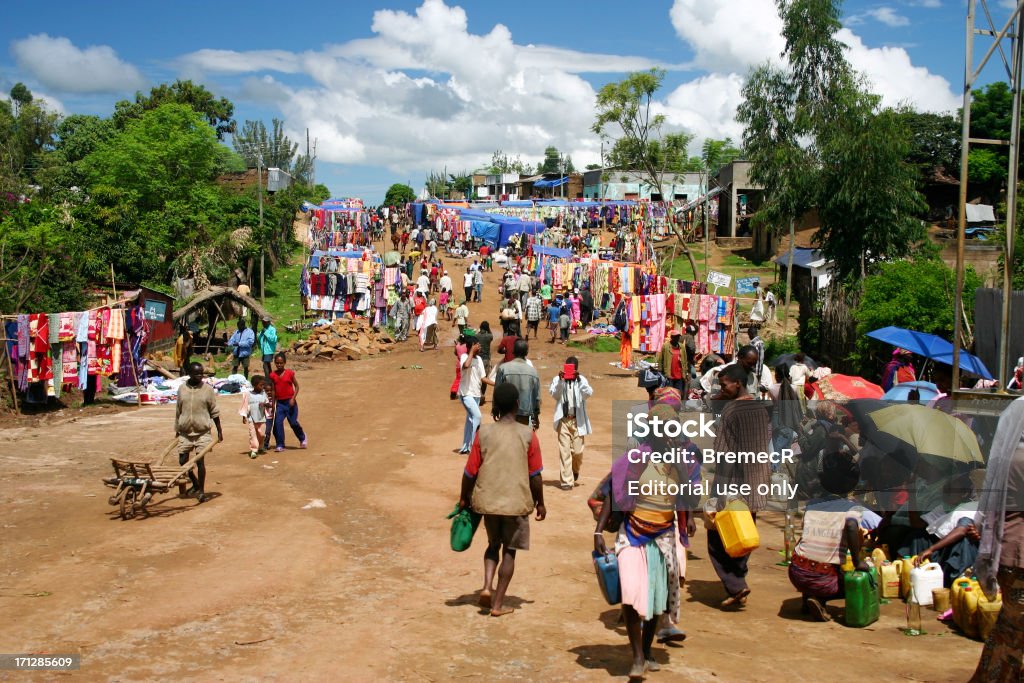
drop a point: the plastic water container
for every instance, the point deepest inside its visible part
(878, 557)
(988, 612)
(862, 607)
(906, 565)
(923, 579)
(969, 607)
(735, 525)
(890, 580)
(956, 599)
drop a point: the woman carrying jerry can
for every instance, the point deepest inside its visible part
(653, 498)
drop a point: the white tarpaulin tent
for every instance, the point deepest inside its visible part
(980, 213)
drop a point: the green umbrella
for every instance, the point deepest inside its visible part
(927, 431)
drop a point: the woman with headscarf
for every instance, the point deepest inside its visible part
(646, 542)
(898, 370)
(1000, 561)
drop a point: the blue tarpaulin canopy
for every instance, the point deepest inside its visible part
(514, 227)
(551, 251)
(485, 231)
(557, 182)
(518, 203)
(930, 346)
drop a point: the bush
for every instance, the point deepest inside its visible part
(776, 346)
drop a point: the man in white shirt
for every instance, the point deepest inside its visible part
(470, 385)
(446, 282)
(525, 283)
(467, 284)
(423, 282)
(571, 422)
(478, 284)
(426, 325)
(746, 357)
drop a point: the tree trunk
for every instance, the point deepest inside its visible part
(686, 250)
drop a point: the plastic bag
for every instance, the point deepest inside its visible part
(464, 524)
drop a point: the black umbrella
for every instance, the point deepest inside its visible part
(789, 361)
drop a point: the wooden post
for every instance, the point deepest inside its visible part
(789, 275)
(10, 371)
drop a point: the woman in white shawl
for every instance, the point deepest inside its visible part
(1000, 562)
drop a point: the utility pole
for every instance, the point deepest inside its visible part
(263, 246)
(789, 274)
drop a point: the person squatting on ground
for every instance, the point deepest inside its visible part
(832, 525)
(502, 482)
(571, 390)
(195, 414)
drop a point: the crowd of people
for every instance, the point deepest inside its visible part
(754, 405)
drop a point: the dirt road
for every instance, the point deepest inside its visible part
(251, 586)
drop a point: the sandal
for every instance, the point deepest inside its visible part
(738, 600)
(817, 610)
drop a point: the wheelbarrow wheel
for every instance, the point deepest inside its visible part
(128, 503)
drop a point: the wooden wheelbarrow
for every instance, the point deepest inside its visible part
(135, 483)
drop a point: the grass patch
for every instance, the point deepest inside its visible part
(282, 302)
(599, 344)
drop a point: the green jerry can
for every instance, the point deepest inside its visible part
(862, 608)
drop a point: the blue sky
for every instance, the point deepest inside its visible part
(393, 89)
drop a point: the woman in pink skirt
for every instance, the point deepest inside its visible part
(648, 544)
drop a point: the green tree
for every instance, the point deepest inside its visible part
(921, 291)
(158, 157)
(27, 133)
(934, 142)
(217, 111)
(276, 149)
(20, 96)
(503, 163)
(717, 153)
(816, 137)
(399, 195)
(39, 258)
(554, 162)
(624, 114)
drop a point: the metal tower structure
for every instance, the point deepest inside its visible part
(1010, 35)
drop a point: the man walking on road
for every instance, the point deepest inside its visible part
(502, 481)
(526, 380)
(571, 391)
(195, 414)
(534, 312)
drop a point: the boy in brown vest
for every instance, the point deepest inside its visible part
(502, 481)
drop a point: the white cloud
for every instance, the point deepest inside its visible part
(424, 92)
(930, 4)
(58, 64)
(729, 37)
(711, 30)
(231, 62)
(888, 16)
